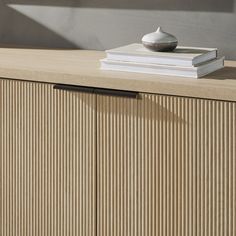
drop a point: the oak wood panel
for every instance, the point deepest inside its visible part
(172, 170)
(47, 161)
(81, 67)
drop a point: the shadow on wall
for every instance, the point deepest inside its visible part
(17, 29)
(87, 24)
(181, 5)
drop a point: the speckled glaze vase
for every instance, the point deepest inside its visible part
(160, 41)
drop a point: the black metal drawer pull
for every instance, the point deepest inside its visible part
(73, 88)
(118, 93)
(101, 91)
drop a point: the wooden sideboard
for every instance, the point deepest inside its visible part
(157, 158)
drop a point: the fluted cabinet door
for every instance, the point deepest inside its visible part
(167, 166)
(47, 161)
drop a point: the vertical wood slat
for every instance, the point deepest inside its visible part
(47, 160)
(166, 166)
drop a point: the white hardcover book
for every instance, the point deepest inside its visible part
(193, 72)
(181, 56)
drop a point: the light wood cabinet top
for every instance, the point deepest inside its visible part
(81, 67)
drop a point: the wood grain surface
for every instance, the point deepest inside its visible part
(166, 167)
(83, 164)
(81, 67)
(47, 161)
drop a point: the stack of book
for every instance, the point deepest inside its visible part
(183, 61)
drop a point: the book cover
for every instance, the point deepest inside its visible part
(182, 56)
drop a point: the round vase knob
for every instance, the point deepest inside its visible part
(160, 41)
